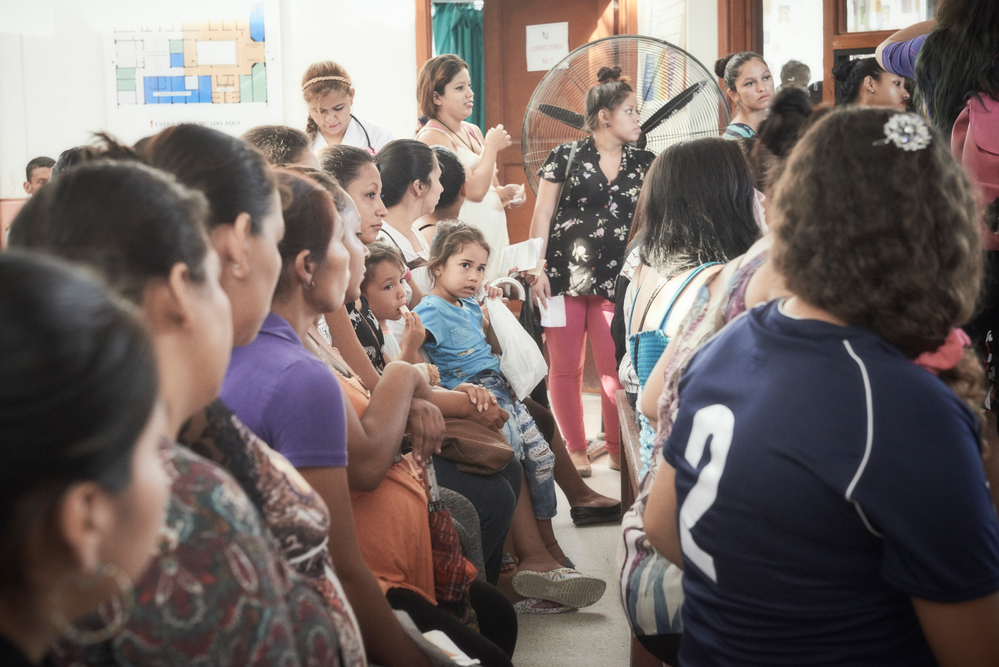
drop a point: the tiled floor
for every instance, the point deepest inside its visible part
(596, 636)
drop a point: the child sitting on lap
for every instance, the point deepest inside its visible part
(384, 288)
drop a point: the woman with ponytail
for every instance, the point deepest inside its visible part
(749, 86)
(586, 198)
(864, 82)
(329, 92)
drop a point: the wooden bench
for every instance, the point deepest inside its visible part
(631, 466)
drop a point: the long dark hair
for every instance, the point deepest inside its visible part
(231, 173)
(344, 162)
(696, 206)
(78, 383)
(401, 162)
(309, 217)
(131, 222)
(958, 59)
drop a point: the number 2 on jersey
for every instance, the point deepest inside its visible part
(716, 422)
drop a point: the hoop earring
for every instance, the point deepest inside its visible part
(121, 606)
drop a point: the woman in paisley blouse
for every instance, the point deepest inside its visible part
(217, 588)
(583, 216)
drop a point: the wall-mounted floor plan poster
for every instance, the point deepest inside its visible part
(220, 71)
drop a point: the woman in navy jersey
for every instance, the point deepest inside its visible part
(825, 491)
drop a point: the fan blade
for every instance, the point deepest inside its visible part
(570, 118)
(671, 107)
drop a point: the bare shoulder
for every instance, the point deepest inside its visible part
(433, 137)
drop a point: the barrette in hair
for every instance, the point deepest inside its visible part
(907, 131)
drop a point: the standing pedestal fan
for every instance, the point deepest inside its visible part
(678, 98)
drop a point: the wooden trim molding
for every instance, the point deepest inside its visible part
(424, 33)
(836, 38)
(740, 26)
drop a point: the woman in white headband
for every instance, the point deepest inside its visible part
(328, 91)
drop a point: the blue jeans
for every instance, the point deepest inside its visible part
(528, 444)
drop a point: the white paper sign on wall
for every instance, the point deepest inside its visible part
(547, 44)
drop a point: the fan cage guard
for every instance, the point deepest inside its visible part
(657, 70)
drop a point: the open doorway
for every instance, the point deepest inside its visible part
(457, 29)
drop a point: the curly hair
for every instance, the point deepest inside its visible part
(880, 237)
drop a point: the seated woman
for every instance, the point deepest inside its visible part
(144, 234)
(864, 82)
(281, 144)
(453, 194)
(294, 402)
(245, 222)
(697, 210)
(83, 484)
(651, 585)
(880, 534)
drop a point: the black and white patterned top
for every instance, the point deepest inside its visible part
(589, 233)
(369, 333)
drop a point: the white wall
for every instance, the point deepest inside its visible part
(702, 31)
(52, 94)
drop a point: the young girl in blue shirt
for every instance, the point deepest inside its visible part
(457, 342)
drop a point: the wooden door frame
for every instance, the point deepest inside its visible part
(837, 38)
(740, 26)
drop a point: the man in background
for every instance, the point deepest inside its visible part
(38, 172)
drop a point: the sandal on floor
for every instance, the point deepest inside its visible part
(533, 606)
(587, 516)
(564, 586)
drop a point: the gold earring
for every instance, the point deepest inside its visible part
(121, 605)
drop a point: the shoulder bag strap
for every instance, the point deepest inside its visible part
(683, 287)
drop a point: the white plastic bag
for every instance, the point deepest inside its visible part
(521, 363)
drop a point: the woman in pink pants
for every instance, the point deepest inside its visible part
(586, 198)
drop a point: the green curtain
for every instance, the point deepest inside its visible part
(458, 30)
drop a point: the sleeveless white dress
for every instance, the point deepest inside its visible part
(488, 215)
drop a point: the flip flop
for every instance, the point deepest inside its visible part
(564, 586)
(587, 516)
(533, 606)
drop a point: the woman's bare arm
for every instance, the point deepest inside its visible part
(965, 634)
(373, 440)
(660, 515)
(384, 639)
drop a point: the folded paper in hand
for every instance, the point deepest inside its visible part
(524, 256)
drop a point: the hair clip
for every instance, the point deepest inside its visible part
(907, 131)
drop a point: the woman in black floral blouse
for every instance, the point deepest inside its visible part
(585, 230)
